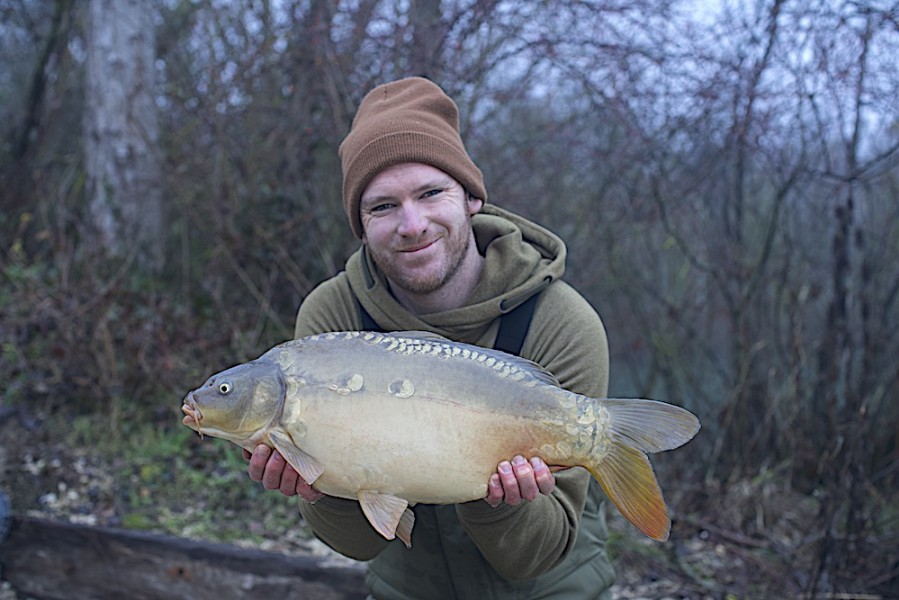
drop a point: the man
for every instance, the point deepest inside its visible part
(436, 257)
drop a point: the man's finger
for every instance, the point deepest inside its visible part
(289, 479)
(494, 491)
(274, 468)
(524, 475)
(511, 493)
(546, 482)
(258, 460)
(307, 492)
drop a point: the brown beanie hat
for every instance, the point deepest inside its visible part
(410, 120)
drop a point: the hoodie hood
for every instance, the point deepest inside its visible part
(521, 259)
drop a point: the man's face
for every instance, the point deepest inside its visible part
(416, 221)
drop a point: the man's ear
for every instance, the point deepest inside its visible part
(474, 204)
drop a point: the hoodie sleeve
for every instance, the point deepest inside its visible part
(527, 540)
(524, 541)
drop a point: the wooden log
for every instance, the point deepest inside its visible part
(53, 560)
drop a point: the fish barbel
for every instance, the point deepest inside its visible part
(391, 420)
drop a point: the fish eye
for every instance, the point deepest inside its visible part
(224, 387)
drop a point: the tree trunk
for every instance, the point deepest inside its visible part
(121, 132)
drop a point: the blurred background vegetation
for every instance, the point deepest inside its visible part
(725, 174)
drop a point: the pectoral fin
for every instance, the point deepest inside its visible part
(389, 515)
(308, 468)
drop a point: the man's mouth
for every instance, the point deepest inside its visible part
(417, 247)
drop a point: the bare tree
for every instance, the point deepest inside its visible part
(121, 131)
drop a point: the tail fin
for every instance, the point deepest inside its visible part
(637, 427)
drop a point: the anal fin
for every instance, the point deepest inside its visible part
(308, 468)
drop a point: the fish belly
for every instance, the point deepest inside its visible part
(433, 451)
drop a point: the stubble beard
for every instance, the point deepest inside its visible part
(457, 248)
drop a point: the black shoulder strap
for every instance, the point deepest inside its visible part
(513, 326)
(368, 323)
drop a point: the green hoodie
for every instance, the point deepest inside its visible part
(552, 547)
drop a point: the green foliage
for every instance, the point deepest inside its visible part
(166, 479)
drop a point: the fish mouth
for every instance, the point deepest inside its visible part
(192, 414)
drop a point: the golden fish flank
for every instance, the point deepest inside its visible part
(371, 416)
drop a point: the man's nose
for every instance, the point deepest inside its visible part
(413, 219)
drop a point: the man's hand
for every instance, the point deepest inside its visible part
(268, 466)
(519, 480)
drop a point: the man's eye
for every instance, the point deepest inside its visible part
(432, 193)
(380, 207)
